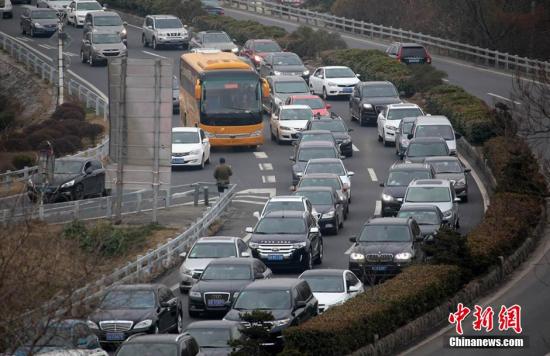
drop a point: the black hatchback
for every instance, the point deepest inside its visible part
(38, 21)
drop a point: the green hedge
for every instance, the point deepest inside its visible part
(468, 114)
(381, 310)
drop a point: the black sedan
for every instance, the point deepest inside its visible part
(213, 336)
(73, 179)
(327, 204)
(452, 169)
(340, 131)
(136, 308)
(369, 99)
(221, 282)
(428, 217)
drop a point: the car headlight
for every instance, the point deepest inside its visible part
(331, 84)
(403, 256)
(253, 244)
(281, 322)
(36, 24)
(276, 72)
(285, 128)
(235, 295)
(390, 127)
(299, 244)
(92, 325)
(257, 133)
(329, 215)
(367, 106)
(195, 152)
(306, 72)
(448, 214)
(257, 58)
(195, 294)
(144, 324)
(387, 197)
(235, 50)
(357, 256)
(124, 31)
(68, 184)
(299, 174)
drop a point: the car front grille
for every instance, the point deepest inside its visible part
(216, 299)
(182, 154)
(382, 257)
(116, 325)
(346, 85)
(275, 248)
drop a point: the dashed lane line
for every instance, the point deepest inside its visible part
(45, 46)
(355, 149)
(378, 208)
(153, 54)
(260, 155)
(269, 179)
(265, 166)
(372, 175)
(503, 98)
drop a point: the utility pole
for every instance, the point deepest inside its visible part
(156, 140)
(60, 61)
(120, 142)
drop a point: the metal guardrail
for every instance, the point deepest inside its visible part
(484, 56)
(45, 69)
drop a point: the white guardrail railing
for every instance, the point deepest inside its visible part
(44, 68)
(484, 56)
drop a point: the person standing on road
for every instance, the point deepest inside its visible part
(222, 174)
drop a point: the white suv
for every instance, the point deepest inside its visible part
(164, 30)
(389, 119)
(287, 203)
(287, 120)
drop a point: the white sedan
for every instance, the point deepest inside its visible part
(288, 120)
(333, 81)
(332, 286)
(389, 119)
(330, 165)
(190, 147)
(77, 11)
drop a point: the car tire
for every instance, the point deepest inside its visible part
(361, 121)
(464, 199)
(346, 213)
(202, 162)
(271, 133)
(193, 314)
(78, 193)
(143, 41)
(155, 46)
(82, 58)
(179, 324)
(308, 262)
(207, 160)
(319, 258)
(325, 94)
(341, 222)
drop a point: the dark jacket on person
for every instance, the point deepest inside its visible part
(222, 174)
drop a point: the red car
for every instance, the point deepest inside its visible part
(317, 105)
(256, 50)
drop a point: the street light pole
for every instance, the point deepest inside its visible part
(60, 62)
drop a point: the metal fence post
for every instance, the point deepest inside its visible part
(196, 195)
(168, 200)
(206, 202)
(8, 179)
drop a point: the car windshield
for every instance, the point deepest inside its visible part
(313, 103)
(444, 131)
(385, 233)
(323, 167)
(215, 38)
(406, 127)
(398, 114)
(316, 137)
(451, 166)
(425, 149)
(281, 226)
(128, 299)
(325, 284)
(168, 23)
(38, 15)
(56, 336)
(422, 217)
(308, 153)
(106, 38)
(107, 21)
(332, 125)
(185, 137)
(263, 300)
(287, 60)
(211, 337)
(296, 114)
(267, 47)
(317, 198)
(339, 73)
(80, 6)
(413, 52)
(403, 178)
(378, 91)
(321, 182)
(428, 195)
(284, 206)
(291, 87)
(226, 272)
(147, 349)
(213, 250)
(67, 167)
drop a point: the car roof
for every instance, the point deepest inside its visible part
(273, 283)
(323, 272)
(286, 198)
(156, 338)
(213, 324)
(441, 158)
(316, 132)
(232, 261)
(104, 13)
(409, 166)
(325, 160)
(162, 17)
(334, 67)
(403, 106)
(387, 221)
(282, 54)
(407, 44)
(426, 140)
(305, 96)
(429, 183)
(286, 78)
(307, 144)
(264, 40)
(224, 239)
(185, 129)
(321, 175)
(376, 83)
(315, 189)
(433, 120)
(285, 214)
(406, 207)
(294, 106)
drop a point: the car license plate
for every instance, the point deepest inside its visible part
(415, 60)
(275, 257)
(178, 160)
(215, 302)
(347, 90)
(379, 268)
(114, 336)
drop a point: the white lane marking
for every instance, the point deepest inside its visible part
(175, 287)
(269, 179)
(372, 175)
(261, 166)
(247, 237)
(260, 155)
(271, 191)
(248, 202)
(503, 98)
(182, 194)
(445, 80)
(265, 166)
(70, 54)
(378, 208)
(45, 46)
(153, 54)
(479, 183)
(90, 85)
(355, 149)
(348, 251)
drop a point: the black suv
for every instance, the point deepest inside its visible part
(327, 204)
(399, 177)
(221, 282)
(422, 147)
(290, 300)
(409, 53)
(165, 345)
(287, 239)
(308, 150)
(339, 129)
(369, 99)
(136, 308)
(384, 246)
(428, 217)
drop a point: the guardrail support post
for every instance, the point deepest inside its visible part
(139, 199)
(206, 203)
(8, 179)
(168, 200)
(196, 195)
(109, 210)
(76, 211)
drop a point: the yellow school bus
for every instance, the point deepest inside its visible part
(222, 95)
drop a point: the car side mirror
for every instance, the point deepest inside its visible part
(314, 230)
(353, 239)
(183, 254)
(410, 136)
(292, 158)
(258, 276)
(353, 288)
(351, 174)
(382, 184)
(467, 170)
(205, 140)
(256, 214)
(249, 230)
(245, 254)
(299, 305)
(358, 75)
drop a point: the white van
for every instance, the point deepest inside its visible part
(435, 126)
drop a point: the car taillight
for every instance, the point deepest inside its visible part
(428, 58)
(399, 54)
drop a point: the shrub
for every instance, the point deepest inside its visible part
(92, 131)
(40, 136)
(21, 161)
(16, 144)
(65, 145)
(507, 223)
(68, 111)
(7, 118)
(380, 310)
(424, 77)
(309, 43)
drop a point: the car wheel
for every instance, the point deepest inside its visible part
(341, 223)
(325, 94)
(179, 324)
(308, 262)
(319, 258)
(193, 314)
(82, 58)
(78, 193)
(207, 160)
(464, 199)
(346, 213)
(32, 31)
(380, 139)
(202, 162)
(154, 43)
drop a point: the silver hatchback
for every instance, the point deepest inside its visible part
(98, 47)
